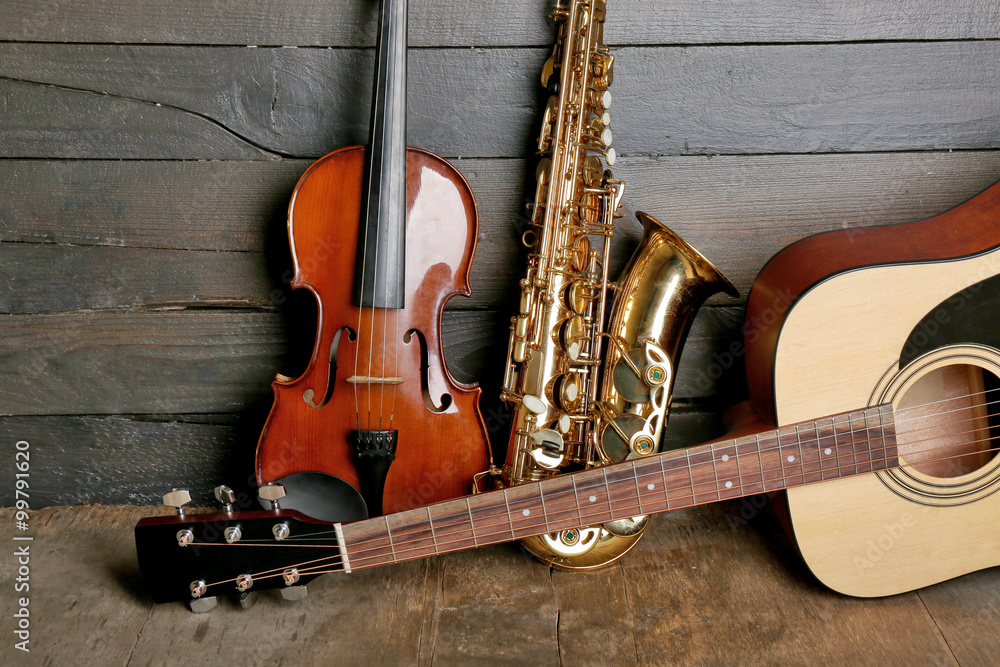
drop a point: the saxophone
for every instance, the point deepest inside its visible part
(586, 393)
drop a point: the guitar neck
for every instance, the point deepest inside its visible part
(842, 445)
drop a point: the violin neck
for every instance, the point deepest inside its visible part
(380, 270)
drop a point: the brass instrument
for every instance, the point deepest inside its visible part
(584, 395)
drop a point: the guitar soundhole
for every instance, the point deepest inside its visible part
(947, 421)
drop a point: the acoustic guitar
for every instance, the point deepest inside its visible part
(875, 352)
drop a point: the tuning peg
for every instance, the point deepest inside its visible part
(247, 599)
(201, 605)
(294, 592)
(177, 498)
(272, 493)
(226, 497)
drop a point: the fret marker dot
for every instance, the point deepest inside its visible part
(592, 499)
(651, 486)
(526, 512)
(791, 458)
(725, 457)
(828, 451)
(729, 485)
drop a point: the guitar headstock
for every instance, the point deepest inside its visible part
(199, 556)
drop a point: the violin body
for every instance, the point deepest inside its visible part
(376, 369)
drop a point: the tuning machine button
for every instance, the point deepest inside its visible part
(201, 605)
(294, 592)
(226, 497)
(272, 493)
(177, 498)
(247, 599)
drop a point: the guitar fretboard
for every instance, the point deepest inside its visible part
(842, 445)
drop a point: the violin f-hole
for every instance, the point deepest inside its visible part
(424, 380)
(331, 377)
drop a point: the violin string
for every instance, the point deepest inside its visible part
(418, 551)
(400, 539)
(364, 226)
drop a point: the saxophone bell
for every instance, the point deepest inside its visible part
(661, 289)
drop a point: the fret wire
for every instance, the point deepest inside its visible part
(576, 496)
(545, 515)
(815, 441)
(663, 480)
(798, 456)
(760, 463)
(781, 461)
(836, 447)
(607, 490)
(715, 471)
(739, 471)
(822, 464)
(510, 521)
(638, 493)
(472, 522)
(663, 476)
(389, 534)
(430, 522)
(690, 473)
(854, 452)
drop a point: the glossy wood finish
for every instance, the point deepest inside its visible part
(438, 452)
(967, 229)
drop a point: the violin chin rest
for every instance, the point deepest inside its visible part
(321, 496)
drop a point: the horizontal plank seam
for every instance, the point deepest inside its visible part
(508, 47)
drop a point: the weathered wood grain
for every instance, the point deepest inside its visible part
(951, 605)
(493, 23)
(238, 103)
(110, 235)
(214, 361)
(702, 587)
(135, 459)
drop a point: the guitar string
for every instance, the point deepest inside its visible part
(807, 442)
(833, 424)
(694, 493)
(418, 551)
(402, 537)
(945, 400)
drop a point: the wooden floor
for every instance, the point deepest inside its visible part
(711, 585)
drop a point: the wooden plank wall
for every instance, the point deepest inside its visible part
(148, 150)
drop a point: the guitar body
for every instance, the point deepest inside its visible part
(909, 315)
(442, 441)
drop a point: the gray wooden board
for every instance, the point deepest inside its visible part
(82, 234)
(135, 459)
(699, 588)
(168, 102)
(216, 361)
(492, 22)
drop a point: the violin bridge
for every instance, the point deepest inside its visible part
(367, 379)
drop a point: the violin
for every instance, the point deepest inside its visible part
(383, 236)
